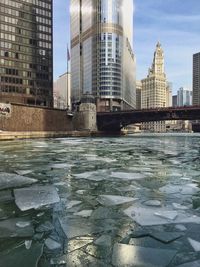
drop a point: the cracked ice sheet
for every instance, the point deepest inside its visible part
(35, 197)
(134, 256)
(147, 216)
(110, 200)
(127, 175)
(9, 180)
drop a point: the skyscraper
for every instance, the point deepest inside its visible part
(154, 89)
(102, 59)
(184, 97)
(26, 60)
(196, 79)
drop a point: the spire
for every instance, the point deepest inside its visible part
(158, 45)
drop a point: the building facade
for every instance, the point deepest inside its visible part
(184, 97)
(138, 95)
(196, 79)
(26, 59)
(102, 59)
(62, 91)
(154, 89)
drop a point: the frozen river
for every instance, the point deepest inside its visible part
(81, 202)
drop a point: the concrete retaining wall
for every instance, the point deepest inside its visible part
(31, 118)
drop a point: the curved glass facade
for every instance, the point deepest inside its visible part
(102, 60)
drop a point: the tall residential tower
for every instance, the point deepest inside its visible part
(26, 60)
(102, 59)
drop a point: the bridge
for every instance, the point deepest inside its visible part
(115, 121)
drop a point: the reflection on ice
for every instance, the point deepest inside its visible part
(134, 256)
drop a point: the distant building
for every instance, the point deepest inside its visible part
(26, 46)
(196, 79)
(174, 101)
(102, 58)
(154, 89)
(62, 91)
(169, 94)
(184, 97)
(138, 94)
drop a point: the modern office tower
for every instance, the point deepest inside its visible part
(26, 60)
(138, 94)
(102, 59)
(62, 91)
(184, 97)
(154, 89)
(196, 79)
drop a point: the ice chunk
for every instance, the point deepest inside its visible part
(127, 176)
(187, 189)
(28, 244)
(179, 206)
(10, 180)
(134, 256)
(84, 213)
(23, 172)
(146, 216)
(154, 203)
(22, 224)
(61, 166)
(166, 237)
(180, 227)
(12, 228)
(170, 215)
(52, 244)
(72, 204)
(20, 256)
(190, 264)
(93, 175)
(104, 240)
(195, 244)
(111, 200)
(80, 192)
(35, 197)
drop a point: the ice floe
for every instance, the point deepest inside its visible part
(11, 180)
(150, 216)
(35, 197)
(111, 200)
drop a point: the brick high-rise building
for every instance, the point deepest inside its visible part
(26, 58)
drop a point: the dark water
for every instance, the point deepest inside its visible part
(129, 201)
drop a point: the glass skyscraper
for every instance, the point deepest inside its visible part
(102, 59)
(26, 60)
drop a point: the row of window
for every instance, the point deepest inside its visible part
(17, 3)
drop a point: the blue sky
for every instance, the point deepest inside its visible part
(175, 23)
